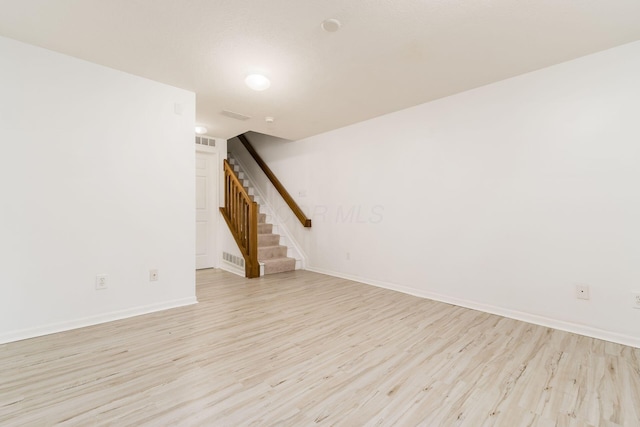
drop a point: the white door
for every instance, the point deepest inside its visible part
(206, 205)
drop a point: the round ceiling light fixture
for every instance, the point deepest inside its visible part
(331, 25)
(257, 82)
(201, 130)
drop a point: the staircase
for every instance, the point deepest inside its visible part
(272, 255)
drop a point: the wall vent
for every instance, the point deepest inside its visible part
(233, 115)
(203, 140)
(233, 259)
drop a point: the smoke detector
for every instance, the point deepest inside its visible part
(331, 25)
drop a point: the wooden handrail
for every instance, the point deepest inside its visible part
(276, 182)
(241, 215)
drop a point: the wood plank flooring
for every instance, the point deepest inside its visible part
(304, 349)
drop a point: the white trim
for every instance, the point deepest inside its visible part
(213, 159)
(206, 149)
(231, 268)
(93, 320)
(549, 322)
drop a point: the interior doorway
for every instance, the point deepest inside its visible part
(207, 168)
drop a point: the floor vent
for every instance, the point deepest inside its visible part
(233, 259)
(203, 140)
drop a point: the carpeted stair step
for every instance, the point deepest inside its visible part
(279, 265)
(271, 252)
(268, 240)
(262, 218)
(265, 228)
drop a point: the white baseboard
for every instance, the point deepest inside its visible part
(230, 268)
(93, 320)
(500, 311)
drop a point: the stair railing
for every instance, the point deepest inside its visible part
(241, 215)
(306, 222)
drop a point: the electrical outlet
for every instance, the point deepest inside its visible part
(101, 282)
(582, 292)
(636, 299)
(153, 275)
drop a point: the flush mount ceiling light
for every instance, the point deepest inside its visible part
(257, 82)
(331, 25)
(201, 130)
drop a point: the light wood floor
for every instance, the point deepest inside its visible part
(303, 349)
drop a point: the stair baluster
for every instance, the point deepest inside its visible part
(241, 215)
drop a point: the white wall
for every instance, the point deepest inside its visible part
(501, 198)
(96, 177)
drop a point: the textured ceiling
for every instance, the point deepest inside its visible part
(388, 55)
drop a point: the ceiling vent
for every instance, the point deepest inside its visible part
(203, 140)
(233, 115)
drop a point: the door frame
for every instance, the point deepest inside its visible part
(213, 158)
